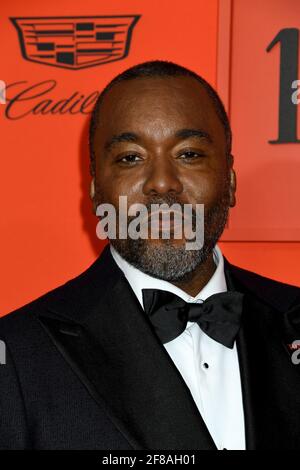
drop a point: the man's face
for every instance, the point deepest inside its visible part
(160, 140)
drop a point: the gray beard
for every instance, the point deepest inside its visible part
(167, 260)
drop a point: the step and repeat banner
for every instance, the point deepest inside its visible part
(55, 60)
(262, 95)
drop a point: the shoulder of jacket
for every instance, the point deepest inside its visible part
(278, 294)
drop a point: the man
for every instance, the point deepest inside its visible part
(155, 346)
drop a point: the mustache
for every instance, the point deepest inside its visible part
(169, 200)
(221, 204)
(154, 210)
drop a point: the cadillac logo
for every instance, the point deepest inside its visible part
(75, 42)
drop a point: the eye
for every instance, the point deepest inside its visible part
(191, 155)
(129, 159)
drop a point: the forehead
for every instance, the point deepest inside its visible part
(158, 105)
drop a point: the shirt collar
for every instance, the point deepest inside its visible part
(138, 280)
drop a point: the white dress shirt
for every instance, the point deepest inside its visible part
(210, 370)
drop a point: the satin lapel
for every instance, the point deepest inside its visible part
(247, 378)
(116, 354)
(270, 382)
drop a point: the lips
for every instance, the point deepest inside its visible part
(174, 219)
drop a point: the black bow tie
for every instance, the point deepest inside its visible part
(219, 316)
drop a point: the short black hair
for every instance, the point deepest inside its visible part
(158, 68)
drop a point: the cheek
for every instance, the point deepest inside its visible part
(205, 189)
(111, 187)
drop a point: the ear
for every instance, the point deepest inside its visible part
(232, 183)
(92, 194)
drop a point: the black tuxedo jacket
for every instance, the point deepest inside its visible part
(85, 370)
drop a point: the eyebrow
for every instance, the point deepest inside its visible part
(198, 133)
(124, 137)
(181, 134)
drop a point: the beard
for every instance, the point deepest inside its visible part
(166, 259)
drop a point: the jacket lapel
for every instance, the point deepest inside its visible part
(270, 381)
(108, 341)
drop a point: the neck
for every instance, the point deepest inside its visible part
(198, 278)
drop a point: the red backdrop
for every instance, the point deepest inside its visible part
(47, 227)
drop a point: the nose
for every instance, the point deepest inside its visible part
(162, 178)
